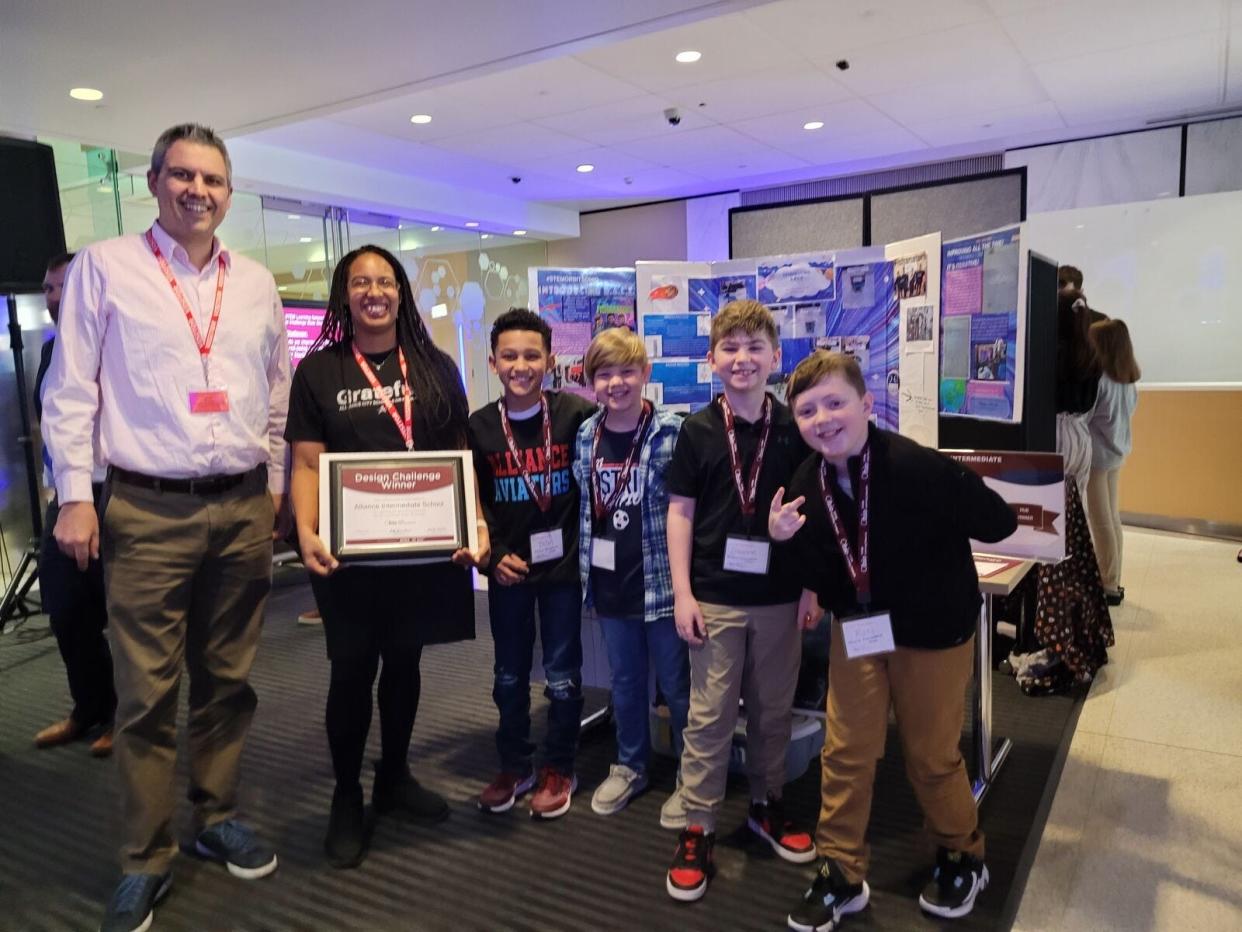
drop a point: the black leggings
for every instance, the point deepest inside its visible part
(368, 628)
(348, 715)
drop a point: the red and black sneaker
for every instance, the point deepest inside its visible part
(767, 820)
(693, 865)
(505, 790)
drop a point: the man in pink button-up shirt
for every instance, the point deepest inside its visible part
(172, 352)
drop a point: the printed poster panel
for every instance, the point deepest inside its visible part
(680, 385)
(578, 304)
(983, 326)
(916, 289)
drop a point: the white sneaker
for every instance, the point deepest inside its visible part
(621, 785)
(673, 812)
(311, 617)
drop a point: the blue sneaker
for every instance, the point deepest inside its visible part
(132, 908)
(236, 847)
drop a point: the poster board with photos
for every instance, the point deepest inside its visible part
(578, 304)
(915, 270)
(983, 326)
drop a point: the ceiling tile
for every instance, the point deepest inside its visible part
(1013, 85)
(625, 120)
(1072, 30)
(841, 119)
(965, 54)
(830, 150)
(736, 170)
(677, 148)
(608, 163)
(825, 35)
(993, 124)
(729, 44)
(558, 85)
(520, 141)
(1161, 79)
(754, 94)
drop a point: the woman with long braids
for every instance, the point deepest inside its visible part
(373, 339)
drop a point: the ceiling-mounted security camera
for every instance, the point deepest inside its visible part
(673, 116)
(516, 179)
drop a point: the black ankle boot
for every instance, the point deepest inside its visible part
(346, 841)
(396, 791)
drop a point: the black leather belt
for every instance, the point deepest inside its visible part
(205, 485)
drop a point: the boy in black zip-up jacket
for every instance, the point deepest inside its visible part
(905, 599)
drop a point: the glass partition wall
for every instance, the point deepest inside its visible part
(462, 279)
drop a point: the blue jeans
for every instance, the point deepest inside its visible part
(512, 613)
(630, 642)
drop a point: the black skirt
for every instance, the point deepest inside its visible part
(430, 603)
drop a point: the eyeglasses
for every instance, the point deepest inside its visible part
(361, 283)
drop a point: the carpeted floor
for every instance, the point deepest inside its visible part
(58, 818)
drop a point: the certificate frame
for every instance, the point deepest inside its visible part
(364, 471)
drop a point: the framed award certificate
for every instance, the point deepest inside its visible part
(409, 507)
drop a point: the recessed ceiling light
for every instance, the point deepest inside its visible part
(85, 93)
(586, 167)
(485, 236)
(519, 232)
(421, 118)
(305, 239)
(814, 124)
(436, 229)
(689, 56)
(282, 287)
(472, 223)
(295, 216)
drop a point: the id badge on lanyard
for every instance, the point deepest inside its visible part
(746, 553)
(604, 549)
(544, 545)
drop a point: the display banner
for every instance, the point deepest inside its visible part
(578, 304)
(1033, 484)
(983, 326)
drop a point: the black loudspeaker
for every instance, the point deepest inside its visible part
(31, 229)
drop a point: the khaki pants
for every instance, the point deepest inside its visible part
(752, 652)
(927, 690)
(1104, 519)
(187, 579)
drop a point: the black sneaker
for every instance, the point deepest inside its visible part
(767, 820)
(830, 898)
(236, 847)
(346, 841)
(956, 881)
(396, 791)
(132, 908)
(693, 865)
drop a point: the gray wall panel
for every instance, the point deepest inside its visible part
(956, 209)
(797, 228)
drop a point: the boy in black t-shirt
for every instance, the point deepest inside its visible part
(733, 603)
(523, 449)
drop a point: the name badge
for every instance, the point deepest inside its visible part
(547, 545)
(747, 554)
(866, 635)
(209, 401)
(604, 554)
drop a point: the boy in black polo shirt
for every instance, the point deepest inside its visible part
(523, 447)
(883, 542)
(734, 601)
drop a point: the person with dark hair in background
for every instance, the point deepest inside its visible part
(73, 599)
(1071, 616)
(172, 350)
(374, 382)
(1069, 279)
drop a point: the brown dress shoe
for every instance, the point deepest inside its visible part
(58, 733)
(102, 746)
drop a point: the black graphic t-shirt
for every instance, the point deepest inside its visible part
(512, 515)
(331, 402)
(619, 592)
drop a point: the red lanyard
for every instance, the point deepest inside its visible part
(860, 568)
(543, 498)
(204, 346)
(602, 507)
(746, 493)
(404, 426)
